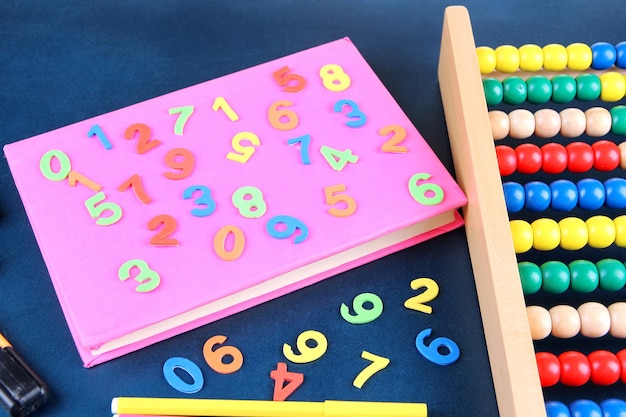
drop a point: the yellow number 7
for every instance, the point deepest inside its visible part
(378, 364)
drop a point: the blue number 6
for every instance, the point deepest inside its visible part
(291, 224)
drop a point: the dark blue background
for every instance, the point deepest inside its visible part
(64, 61)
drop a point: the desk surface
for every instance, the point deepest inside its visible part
(65, 62)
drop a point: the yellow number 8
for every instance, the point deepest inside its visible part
(334, 78)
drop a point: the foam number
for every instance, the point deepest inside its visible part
(181, 160)
(166, 225)
(378, 364)
(147, 278)
(334, 78)
(183, 365)
(305, 147)
(145, 142)
(215, 357)
(426, 193)
(431, 290)
(136, 184)
(97, 207)
(55, 171)
(338, 159)
(283, 227)
(184, 113)
(249, 201)
(205, 200)
(307, 353)
(291, 83)
(220, 103)
(74, 178)
(441, 351)
(243, 152)
(356, 116)
(280, 375)
(362, 315)
(97, 131)
(398, 135)
(335, 195)
(233, 237)
(281, 118)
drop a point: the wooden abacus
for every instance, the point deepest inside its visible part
(496, 241)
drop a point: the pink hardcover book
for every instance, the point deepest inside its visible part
(178, 211)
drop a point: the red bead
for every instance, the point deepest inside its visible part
(528, 158)
(554, 157)
(605, 367)
(606, 155)
(507, 159)
(575, 369)
(579, 157)
(549, 369)
(621, 356)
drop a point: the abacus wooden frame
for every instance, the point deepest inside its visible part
(503, 310)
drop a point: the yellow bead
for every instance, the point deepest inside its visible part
(522, 233)
(546, 234)
(620, 231)
(486, 59)
(507, 58)
(601, 231)
(613, 87)
(579, 57)
(574, 233)
(530, 57)
(554, 57)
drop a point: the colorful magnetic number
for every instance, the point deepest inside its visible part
(334, 78)
(249, 201)
(243, 152)
(180, 159)
(97, 207)
(285, 382)
(356, 116)
(378, 364)
(148, 278)
(398, 135)
(215, 357)
(184, 113)
(291, 83)
(426, 193)
(97, 131)
(203, 200)
(335, 196)
(307, 353)
(164, 225)
(145, 142)
(136, 184)
(431, 290)
(305, 147)
(55, 165)
(441, 350)
(191, 369)
(338, 159)
(220, 103)
(362, 314)
(283, 227)
(281, 118)
(229, 243)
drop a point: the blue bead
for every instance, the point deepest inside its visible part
(538, 196)
(603, 55)
(564, 195)
(615, 193)
(557, 409)
(621, 54)
(585, 408)
(514, 196)
(613, 408)
(591, 194)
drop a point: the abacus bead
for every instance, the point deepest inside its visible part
(564, 195)
(601, 231)
(557, 409)
(556, 277)
(514, 196)
(617, 311)
(547, 123)
(499, 122)
(554, 158)
(579, 157)
(588, 87)
(620, 61)
(574, 233)
(539, 321)
(549, 368)
(613, 86)
(538, 196)
(613, 407)
(530, 57)
(585, 408)
(575, 369)
(579, 56)
(573, 122)
(522, 124)
(486, 59)
(507, 160)
(584, 276)
(618, 120)
(554, 57)
(565, 321)
(591, 194)
(522, 234)
(563, 88)
(622, 155)
(546, 234)
(603, 55)
(507, 58)
(515, 90)
(620, 231)
(612, 274)
(539, 89)
(621, 355)
(606, 155)
(615, 193)
(530, 277)
(529, 158)
(595, 320)
(494, 92)
(598, 121)
(605, 368)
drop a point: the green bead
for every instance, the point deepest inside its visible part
(556, 277)
(612, 274)
(584, 276)
(563, 88)
(588, 87)
(618, 122)
(515, 90)
(539, 89)
(530, 275)
(493, 91)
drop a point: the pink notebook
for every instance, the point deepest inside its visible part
(169, 214)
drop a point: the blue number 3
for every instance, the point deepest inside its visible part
(356, 116)
(205, 199)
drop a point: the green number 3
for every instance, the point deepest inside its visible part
(148, 278)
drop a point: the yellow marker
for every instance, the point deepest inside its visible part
(258, 408)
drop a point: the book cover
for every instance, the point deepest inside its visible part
(174, 212)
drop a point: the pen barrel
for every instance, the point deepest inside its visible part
(374, 409)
